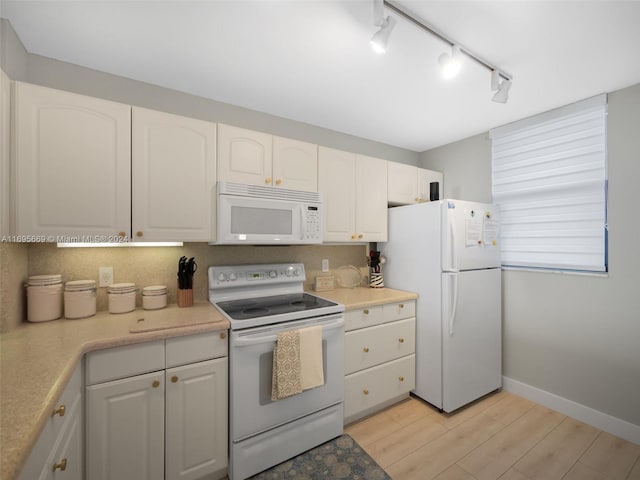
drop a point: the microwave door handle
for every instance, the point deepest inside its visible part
(253, 340)
(302, 222)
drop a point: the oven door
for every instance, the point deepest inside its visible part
(251, 363)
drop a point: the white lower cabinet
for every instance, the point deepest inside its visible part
(166, 424)
(58, 452)
(379, 357)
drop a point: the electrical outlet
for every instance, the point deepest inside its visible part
(325, 265)
(105, 276)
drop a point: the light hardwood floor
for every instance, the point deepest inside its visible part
(501, 436)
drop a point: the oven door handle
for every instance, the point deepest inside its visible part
(252, 340)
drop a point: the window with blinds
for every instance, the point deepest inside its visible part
(550, 180)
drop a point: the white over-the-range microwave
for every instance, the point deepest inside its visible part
(261, 215)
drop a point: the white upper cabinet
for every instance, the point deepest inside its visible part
(295, 164)
(256, 158)
(408, 184)
(244, 156)
(5, 134)
(354, 190)
(174, 177)
(72, 164)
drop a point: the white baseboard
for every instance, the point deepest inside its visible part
(588, 415)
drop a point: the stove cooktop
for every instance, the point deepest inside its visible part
(261, 307)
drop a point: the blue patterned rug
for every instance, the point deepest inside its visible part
(340, 458)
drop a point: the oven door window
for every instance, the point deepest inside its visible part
(261, 221)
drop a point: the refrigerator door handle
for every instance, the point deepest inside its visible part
(452, 314)
(450, 259)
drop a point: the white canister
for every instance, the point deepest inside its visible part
(122, 297)
(80, 299)
(154, 297)
(44, 298)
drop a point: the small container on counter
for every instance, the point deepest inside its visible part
(44, 298)
(122, 297)
(80, 299)
(154, 297)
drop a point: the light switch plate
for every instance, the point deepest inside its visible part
(325, 265)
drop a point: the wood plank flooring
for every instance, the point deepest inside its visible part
(501, 436)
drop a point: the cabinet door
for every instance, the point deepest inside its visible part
(425, 177)
(174, 177)
(336, 182)
(371, 199)
(196, 420)
(5, 130)
(72, 164)
(402, 184)
(295, 164)
(244, 156)
(125, 428)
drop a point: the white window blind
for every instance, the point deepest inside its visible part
(550, 178)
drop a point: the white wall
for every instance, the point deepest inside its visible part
(574, 336)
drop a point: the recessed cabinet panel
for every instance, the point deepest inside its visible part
(174, 177)
(402, 183)
(244, 156)
(371, 199)
(295, 164)
(72, 163)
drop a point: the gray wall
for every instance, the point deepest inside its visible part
(21, 65)
(576, 336)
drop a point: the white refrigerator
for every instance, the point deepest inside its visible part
(448, 252)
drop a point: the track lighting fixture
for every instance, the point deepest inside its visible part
(451, 63)
(380, 39)
(501, 86)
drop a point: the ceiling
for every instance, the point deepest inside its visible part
(310, 61)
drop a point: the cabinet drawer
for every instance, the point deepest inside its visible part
(363, 317)
(399, 310)
(71, 400)
(368, 388)
(371, 346)
(195, 348)
(121, 362)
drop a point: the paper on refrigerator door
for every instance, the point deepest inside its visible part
(473, 232)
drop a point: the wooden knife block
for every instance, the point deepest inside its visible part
(185, 297)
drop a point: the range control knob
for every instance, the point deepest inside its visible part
(273, 274)
(222, 277)
(232, 277)
(288, 273)
(296, 272)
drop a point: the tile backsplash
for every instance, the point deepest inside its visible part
(148, 266)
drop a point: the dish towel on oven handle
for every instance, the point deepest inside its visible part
(297, 362)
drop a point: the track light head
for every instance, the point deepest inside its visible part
(380, 39)
(502, 85)
(451, 63)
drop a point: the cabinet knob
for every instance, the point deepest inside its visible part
(365, 391)
(174, 379)
(365, 349)
(401, 305)
(62, 466)
(354, 236)
(401, 340)
(360, 236)
(401, 378)
(223, 335)
(155, 384)
(122, 234)
(366, 311)
(139, 234)
(59, 411)
(267, 180)
(278, 181)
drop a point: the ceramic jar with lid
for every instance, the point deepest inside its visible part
(80, 299)
(122, 297)
(154, 297)
(44, 298)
